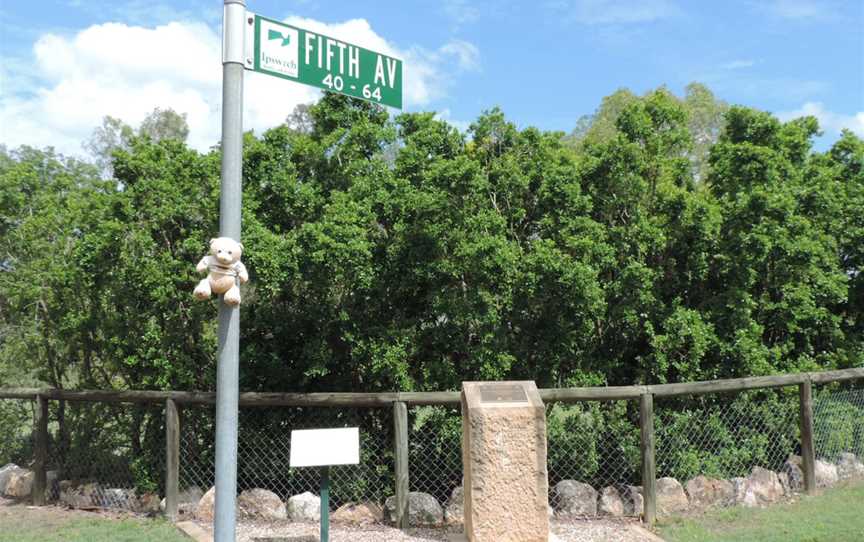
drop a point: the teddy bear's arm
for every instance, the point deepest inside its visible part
(203, 264)
(241, 272)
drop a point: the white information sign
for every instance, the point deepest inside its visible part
(323, 447)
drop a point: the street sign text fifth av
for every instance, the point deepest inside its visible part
(313, 59)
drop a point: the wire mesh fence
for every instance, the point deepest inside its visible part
(838, 423)
(725, 435)
(107, 455)
(594, 443)
(112, 455)
(435, 451)
(264, 473)
(16, 426)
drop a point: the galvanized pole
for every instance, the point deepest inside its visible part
(228, 355)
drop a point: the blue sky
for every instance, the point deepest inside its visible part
(66, 63)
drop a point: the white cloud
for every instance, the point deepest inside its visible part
(795, 9)
(593, 12)
(739, 64)
(460, 11)
(467, 55)
(127, 71)
(829, 121)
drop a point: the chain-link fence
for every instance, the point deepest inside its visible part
(594, 443)
(435, 451)
(112, 455)
(724, 436)
(16, 428)
(106, 455)
(265, 478)
(838, 422)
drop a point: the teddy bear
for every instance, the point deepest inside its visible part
(224, 267)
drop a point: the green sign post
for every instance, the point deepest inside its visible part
(313, 59)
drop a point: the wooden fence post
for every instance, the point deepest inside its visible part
(649, 467)
(400, 442)
(172, 458)
(808, 454)
(40, 451)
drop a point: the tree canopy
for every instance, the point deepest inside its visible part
(676, 239)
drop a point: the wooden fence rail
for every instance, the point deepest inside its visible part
(401, 401)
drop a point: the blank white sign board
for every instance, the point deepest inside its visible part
(323, 447)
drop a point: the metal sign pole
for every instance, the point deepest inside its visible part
(325, 504)
(227, 373)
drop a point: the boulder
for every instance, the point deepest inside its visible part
(784, 481)
(765, 485)
(83, 496)
(260, 503)
(454, 512)
(794, 473)
(5, 474)
(704, 492)
(118, 498)
(147, 503)
(574, 498)
(761, 487)
(743, 495)
(423, 510)
(206, 507)
(304, 507)
(362, 513)
(826, 473)
(75, 499)
(670, 497)
(848, 466)
(20, 484)
(610, 503)
(634, 504)
(187, 500)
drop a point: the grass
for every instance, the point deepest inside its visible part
(27, 526)
(837, 515)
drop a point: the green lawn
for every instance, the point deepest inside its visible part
(835, 516)
(29, 525)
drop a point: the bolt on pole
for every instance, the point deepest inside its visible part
(228, 354)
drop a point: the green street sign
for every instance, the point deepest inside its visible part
(320, 61)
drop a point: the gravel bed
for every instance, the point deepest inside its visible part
(580, 530)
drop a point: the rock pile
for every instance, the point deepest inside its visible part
(572, 498)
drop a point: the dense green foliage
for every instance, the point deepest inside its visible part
(665, 240)
(399, 254)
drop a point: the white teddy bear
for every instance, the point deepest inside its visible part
(224, 267)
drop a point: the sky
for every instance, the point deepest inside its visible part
(65, 64)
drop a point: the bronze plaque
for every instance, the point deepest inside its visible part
(502, 393)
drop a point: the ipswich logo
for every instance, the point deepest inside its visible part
(276, 35)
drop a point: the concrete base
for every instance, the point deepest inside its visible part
(194, 531)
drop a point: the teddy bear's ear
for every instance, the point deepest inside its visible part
(213, 240)
(241, 246)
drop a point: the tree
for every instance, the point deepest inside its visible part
(396, 253)
(114, 134)
(705, 115)
(164, 124)
(300, 120)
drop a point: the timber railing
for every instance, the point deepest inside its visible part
(400, 402)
